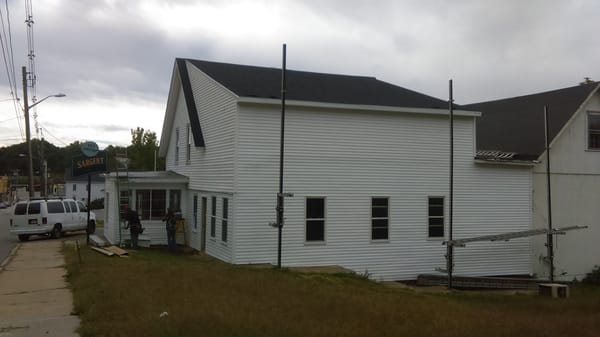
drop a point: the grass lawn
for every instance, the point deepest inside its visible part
(204, 297)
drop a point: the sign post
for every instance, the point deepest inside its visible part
(92, 161)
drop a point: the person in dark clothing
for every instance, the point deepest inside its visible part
(170, 222)
(134, 225)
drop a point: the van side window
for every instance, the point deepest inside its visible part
(55, 207)
(20, 209)
(67, 208)
(34, 208)
(82, 207)
(73, 206)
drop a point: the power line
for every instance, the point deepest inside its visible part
(8, 57)
(53, 136)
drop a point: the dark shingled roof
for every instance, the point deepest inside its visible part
(517, 124)
(261, 82)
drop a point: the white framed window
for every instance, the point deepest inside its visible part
(195, 212)
(435, 217)
(224, 219)
(188, 145)
(593, 130)
(379, 218)
(176, 159)
(213, 216)
(315, 219)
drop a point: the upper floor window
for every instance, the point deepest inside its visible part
(188, 144)
(593, 124)
(435, 226)
(176, 146)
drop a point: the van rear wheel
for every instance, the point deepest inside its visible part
(56, 231)
(23, 237)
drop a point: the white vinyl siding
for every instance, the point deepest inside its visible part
(211, 168)
(575, 179)
(351, 156)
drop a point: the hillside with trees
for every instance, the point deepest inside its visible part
(141, 153)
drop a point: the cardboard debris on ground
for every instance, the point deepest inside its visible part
(111, 251)
(118, 251)
(103, 251)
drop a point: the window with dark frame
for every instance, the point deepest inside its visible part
(176, 146)
(224, 220)
(188, 145)
(436, 217)
(195, 211)
(315, 219)
(593, 130)
(379, 218)
(213, 216)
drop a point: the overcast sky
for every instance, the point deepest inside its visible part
(114, 58)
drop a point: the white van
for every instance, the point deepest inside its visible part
(49, 217)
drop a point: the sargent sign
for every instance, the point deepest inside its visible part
(84, 164)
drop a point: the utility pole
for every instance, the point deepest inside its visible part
(27, 132)
(450, 247)
(280, 195)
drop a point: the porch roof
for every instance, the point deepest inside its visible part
(150, 177)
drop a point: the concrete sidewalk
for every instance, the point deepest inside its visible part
(34, 297)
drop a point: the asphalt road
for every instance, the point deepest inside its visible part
(7, 241)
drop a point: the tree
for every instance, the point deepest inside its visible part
(143, 151)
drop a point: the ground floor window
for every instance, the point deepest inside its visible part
(315, 219)
(224, 220)
(436, 217)
(151, 204)
(213, 216)
(175, 200)
(379, 219)
(195, 212)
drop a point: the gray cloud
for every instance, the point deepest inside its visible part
(107, 50)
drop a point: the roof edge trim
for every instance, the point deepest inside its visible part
(341, 106)
(190, 103)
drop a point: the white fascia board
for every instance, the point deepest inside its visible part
(507, 163)
(165, 134)
(340, 106)
(579, 110)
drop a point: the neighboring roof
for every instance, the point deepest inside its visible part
(151, 177)
(517, 124)
(96, 177)
(262, 82)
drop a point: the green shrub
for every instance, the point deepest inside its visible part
(97, 204)
(592, 277)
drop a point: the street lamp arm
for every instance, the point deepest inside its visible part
(45, 98)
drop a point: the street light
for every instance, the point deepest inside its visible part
(26, 108)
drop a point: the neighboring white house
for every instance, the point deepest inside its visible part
(516, 126)
(76, 187)
(367, 163)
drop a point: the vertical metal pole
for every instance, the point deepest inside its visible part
(450, 247)
(281, 143)
(89, 205)
(27, 132)
(549, 239)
